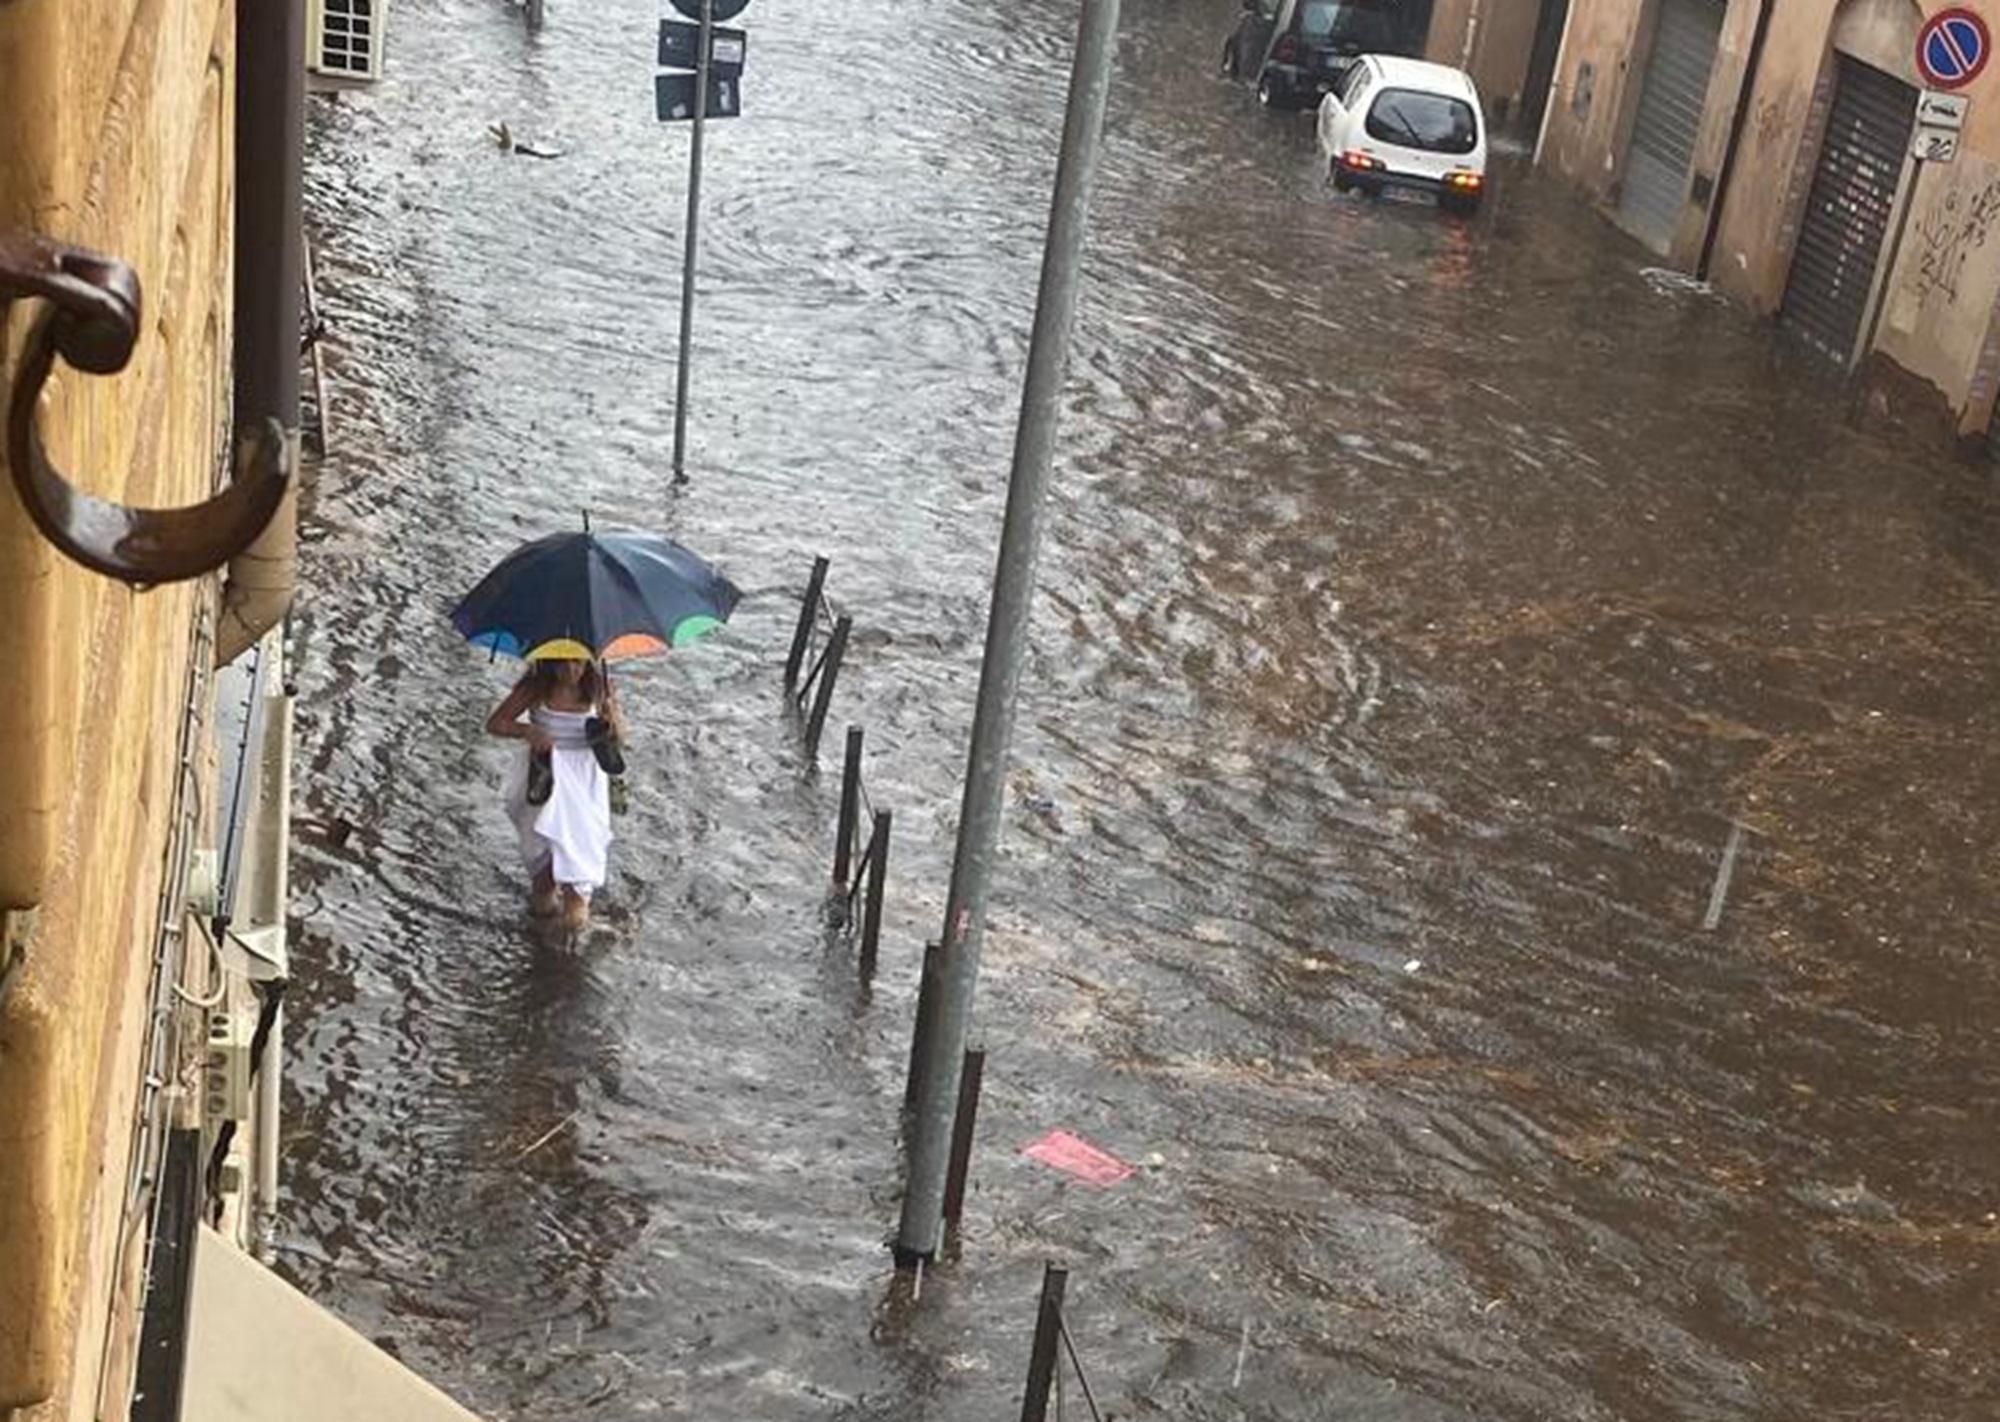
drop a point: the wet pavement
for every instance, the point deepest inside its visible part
(1421, 603)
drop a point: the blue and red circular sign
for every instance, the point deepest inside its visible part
(1952, 48)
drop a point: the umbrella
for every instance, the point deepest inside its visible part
(595, 595)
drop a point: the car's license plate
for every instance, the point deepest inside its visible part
(1415, 195)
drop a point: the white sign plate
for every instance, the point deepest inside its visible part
(1934, 145)
(1935, 110)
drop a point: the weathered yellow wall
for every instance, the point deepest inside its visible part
(1583, 137)
(118, 116)
(1490, 40)
(1774, 162)
(1941, 307)
(1451, 25)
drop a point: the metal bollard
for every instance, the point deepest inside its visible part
(1048, 1333)
(850, 809)
(871, 913)
(969, 1080)
(808, 614)
(828, 669)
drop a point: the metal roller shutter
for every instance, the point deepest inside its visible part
(1654, 186)
(1847, 211)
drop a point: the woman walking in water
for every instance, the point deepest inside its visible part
(560, 801)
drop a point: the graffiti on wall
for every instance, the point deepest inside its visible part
(1948, 232)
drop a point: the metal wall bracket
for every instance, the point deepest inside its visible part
(92, 322)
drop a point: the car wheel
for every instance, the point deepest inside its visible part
(1267, 93)
(1341, 182)
(1462, 207)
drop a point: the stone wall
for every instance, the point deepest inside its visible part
(119, 122)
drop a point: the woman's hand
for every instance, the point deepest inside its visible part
(539, 740)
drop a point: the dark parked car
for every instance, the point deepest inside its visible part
(1294, 50)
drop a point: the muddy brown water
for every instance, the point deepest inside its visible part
(1420, 603)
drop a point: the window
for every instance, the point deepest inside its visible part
(1357, 86)
(1430, 123)
(1357, 26)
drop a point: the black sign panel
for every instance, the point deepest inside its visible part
(680, 48)
(673, 96)
(718, 10)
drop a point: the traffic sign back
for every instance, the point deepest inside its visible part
(718, 10)
(680, 47)
(673, 97)
(1952, 48)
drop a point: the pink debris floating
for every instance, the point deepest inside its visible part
(1075, 1156)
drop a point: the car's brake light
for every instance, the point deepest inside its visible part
(1462, 179)
(1353, 158)
(1287, 51)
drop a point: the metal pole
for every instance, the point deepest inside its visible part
(836, 650)
(808, 615)
(943, 1037)
(850, 808)
(970, 1077)
(688, 246)
(1746, 92)
(871, 908)
(1048, 1332)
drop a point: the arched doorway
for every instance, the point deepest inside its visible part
(1859, 179)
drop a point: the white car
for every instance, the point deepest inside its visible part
(1406, 124)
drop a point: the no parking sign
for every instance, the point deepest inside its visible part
(1952, 48)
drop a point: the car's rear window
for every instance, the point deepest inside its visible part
(1365, 25)
(1434, 123)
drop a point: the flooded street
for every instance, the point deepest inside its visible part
(1421, 602)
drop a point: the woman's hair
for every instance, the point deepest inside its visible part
(541, 676)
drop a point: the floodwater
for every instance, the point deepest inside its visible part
(1420, 604)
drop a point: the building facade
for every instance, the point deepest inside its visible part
(149, 359)
(1767, 146)
(119, 120)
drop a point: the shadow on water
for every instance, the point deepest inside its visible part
(1422, 601)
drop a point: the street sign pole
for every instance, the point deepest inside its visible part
(693, 234)
(945, 1020)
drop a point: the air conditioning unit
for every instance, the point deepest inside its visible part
(226, 1060)
(344, 38)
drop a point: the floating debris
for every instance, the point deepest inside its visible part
(1666, 282)
(527, 148)
(1078, 1157)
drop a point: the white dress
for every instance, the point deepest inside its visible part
(568, 834)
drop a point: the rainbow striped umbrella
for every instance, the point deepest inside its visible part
(595, 595)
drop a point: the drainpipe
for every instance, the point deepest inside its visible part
(1745, 94)
(270, 158)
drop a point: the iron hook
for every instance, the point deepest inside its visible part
(92, 322)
